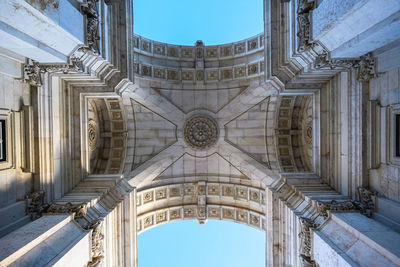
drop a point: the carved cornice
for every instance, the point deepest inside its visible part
(34, 70)
(364, 64)
(365, 205)
(323, 207)
(324, 61)
(79, 210)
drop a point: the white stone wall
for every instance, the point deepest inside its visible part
(386, 90)
(14, 184)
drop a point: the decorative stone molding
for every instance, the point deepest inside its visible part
(324, 61)
(32, 73)
(200, 132)
(323, 207)
(202, 58)
(36, 204)
(366, 68)
(306, 225)
(304, 24)
(366, 203)
(78, 209)
(366, 64)
(202, 201)
(33, 70)
(97, 242)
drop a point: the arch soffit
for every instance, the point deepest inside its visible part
(201, 200)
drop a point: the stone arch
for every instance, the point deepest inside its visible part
(201, 200)
(294, 133)
(107, 135)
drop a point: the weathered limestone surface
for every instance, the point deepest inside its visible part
(303, 122)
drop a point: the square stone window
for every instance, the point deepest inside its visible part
(393, 146)
(6, 139)
(3, 141)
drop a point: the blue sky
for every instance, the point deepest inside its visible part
(185, 21)
(214, 244)
(186, 243)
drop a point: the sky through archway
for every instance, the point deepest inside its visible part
(185, 21)
(214, 244)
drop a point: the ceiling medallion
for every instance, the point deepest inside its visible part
(200, 132)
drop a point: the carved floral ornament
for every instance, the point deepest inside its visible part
(365, 204)
(200, 132)
(33, 71)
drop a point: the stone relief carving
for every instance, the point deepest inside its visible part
(365, 65)
(304, 24)
(92, 135)
(323, 61)
(366, 68)
(306, 225)
(323, 207)
(33, 70)
(366, 204)
(97, 243)
(78, 209)
(92, 25)
(200, 132)
(36, 204)
(32, 73)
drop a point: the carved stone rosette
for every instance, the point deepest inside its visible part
(200, 132)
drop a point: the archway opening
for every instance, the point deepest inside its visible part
(185, 22)
(214, 244)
